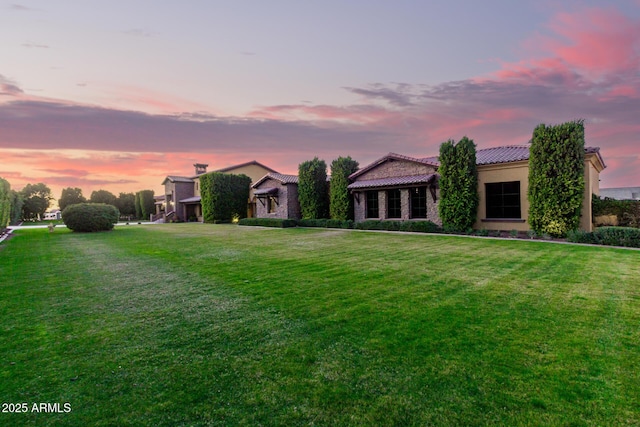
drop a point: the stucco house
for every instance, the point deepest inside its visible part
(182, 193)
(277, 196)
(406, 188)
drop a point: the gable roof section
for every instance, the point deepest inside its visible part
(241, 165)
(176, 179)
(431, 161)
(282, 178)
(394, 181)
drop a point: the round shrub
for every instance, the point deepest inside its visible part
(88, 217)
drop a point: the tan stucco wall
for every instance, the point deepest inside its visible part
(504, 172)
(519, 171)
(592, 168)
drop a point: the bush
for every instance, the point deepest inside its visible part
(411, 226)
(610, 236)
(224, 196)
(556, 178)
(627, 211)
(268, 222)
(89, 217)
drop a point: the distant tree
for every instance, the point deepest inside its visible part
(103, 196)
(70, 196)
(556, 178)
(138, 207)
(16, 207)
(5, 203)
(312, 189)
(224, 196)
(37, 198)
(147, 204)
(458, 207)
(340, 202)
(126, 204)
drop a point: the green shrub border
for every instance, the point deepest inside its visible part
(268, 222)
(609, 236)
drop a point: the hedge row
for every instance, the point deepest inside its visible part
(627, 211)
(268, 222)
(610, 236)
(414, 226)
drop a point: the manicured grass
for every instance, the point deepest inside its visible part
(193, 324)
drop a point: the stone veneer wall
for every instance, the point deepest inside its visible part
(390, 169)
(288, 206)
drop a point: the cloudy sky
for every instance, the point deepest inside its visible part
(118, 94)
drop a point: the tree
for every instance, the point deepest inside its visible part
(37, 198)
(138, 207)
(340, 202)
(312, 189)
(458, 207)
(224, 196)
(126, 204)
(70, 196)
(556, 178)
(146, 202)
(16, 207)
(5, 203)
(103, 196)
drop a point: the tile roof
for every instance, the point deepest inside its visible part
(515, 153)
(394, 181)
(194, 199)
(282, 178)
(505, 154)
(432, 161)
(263, 191)
(173, 178)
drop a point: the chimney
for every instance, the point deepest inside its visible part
(200, 168)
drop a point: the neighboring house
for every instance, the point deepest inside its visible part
(621, 193)
(53, 214)
(396, 187)
(406, 188)
(277, 196)
(182, 194)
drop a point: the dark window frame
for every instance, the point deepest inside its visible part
(394, 203)
(372, 204)
(503, 200)
(418, 202)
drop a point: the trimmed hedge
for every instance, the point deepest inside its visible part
(609, 236)
(89, 217)
(268, 222)
(224, 196)
(411, 226)
(326, 223)
(556, 178)
(627, 211)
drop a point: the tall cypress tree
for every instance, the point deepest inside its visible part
(556, 178)
(340, 202)
(458, 206)
(312, 189)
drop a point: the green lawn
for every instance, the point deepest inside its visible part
(193, 324)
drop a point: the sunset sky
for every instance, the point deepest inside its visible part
(118, 94)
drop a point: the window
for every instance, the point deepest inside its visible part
(394, 206)
(503, 199)
(372, 204)
(418, 202)
(271, 204)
